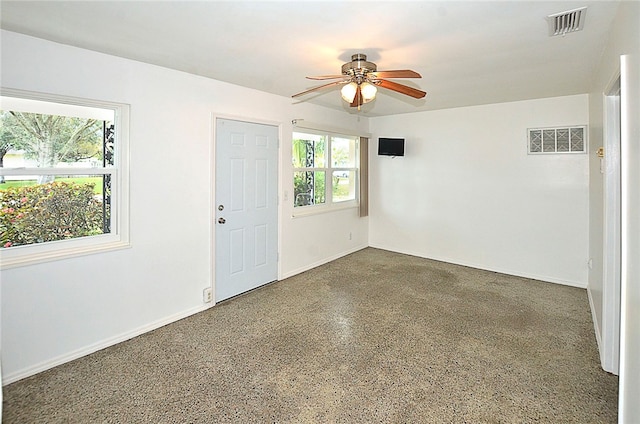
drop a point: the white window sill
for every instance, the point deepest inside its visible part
(9, 259)
(304, 211)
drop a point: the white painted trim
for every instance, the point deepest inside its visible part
(312, 210)
(306, 125)
(544, 278)
(610, 354)
(87, 350)
(212, 207)
(595, 325)
(322, 262)
(59, 253)
(57, 171)
(247, 119)
(281, 195)
(628, 409)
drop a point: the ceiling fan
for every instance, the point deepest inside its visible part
(361, 79)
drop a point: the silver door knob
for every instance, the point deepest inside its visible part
(221, 220)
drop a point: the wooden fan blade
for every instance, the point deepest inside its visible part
(324, 77)
(318, 88)
(357, 99)
(400, 88)
(402, 73)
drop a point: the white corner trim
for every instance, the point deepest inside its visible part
(596, 327)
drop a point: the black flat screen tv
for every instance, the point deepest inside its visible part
(390, 146)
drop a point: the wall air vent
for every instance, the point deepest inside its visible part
(565, 22)
(557, 140)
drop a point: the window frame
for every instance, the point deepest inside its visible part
(118, 238)
(329, 204)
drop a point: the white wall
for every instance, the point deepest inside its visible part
(629, 393)
(596, 212)
(467, 192)
(57, 311)
(624, 39)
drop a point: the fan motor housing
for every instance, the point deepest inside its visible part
(358, 65)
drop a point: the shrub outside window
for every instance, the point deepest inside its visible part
(63, 177)
(325, 171)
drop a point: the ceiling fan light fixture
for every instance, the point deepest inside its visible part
(348, 92)
(368, 91)
(360, 81)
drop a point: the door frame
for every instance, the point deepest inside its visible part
(212, 190)
(611, 278)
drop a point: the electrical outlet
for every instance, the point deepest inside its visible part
(207, 295)
(350, 235)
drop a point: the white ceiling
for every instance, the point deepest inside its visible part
(468, 52)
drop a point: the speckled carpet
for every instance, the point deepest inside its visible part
(372, 337)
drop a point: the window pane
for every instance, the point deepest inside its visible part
(549, 140)
(343, 152)
(47, 208)
(319, 192)
(303, 188)
(563, 139)
(308, 188)
(35, 140)
(577, 140)
(535, 140)
(308, 150)
(344, 186)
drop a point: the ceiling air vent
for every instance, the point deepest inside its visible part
(565, 22)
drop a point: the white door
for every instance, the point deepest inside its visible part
(246, 218)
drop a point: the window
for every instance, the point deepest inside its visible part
(63, 177)
(325, 171)
(557, 140)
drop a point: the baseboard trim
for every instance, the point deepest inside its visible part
(59, 360)
(321, 262)
(87, 350)
(546, 279)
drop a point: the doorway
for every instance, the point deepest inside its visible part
(246, 206)
(612, 232)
